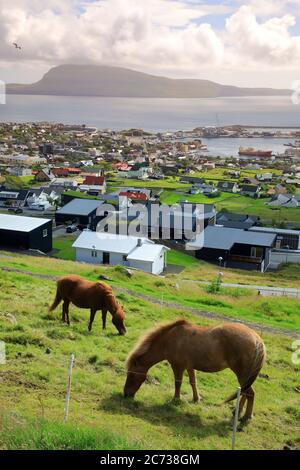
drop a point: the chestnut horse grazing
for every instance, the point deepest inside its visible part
(92, 295)
(190, 347)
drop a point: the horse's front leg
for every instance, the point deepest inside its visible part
(92, 316)
(65, 314)
(104, 314)
(178, 374)
(193, 382)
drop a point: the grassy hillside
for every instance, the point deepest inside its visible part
(38, 347)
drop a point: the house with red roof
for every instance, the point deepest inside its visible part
(134, 195)
(94, 184)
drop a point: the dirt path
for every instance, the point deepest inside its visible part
(153, 300)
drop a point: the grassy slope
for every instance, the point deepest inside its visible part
(238, 204)
(235, 303)
(33, 382)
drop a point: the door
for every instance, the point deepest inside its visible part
(105, 258)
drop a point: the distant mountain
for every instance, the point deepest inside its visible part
(100, 80)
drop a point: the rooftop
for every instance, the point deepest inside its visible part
(223, 238)
(146, 252)
(108, 242)
(20, 223)
(80, 207)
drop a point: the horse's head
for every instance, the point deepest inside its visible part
(136, 376)
(118, 314)
(119, 319)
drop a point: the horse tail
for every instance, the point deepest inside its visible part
(257, 365)
(57, 300)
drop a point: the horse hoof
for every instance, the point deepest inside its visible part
(196, 400)
(246, 419)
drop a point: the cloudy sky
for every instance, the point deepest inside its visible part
(235, 42)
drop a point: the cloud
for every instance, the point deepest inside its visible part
(268, 43)
(155, 35)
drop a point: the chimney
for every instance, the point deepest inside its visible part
(139, 242)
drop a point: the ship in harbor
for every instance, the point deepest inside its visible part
(296, 145)
(252, 152)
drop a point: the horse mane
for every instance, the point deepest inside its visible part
(112, 302)
(151, 337)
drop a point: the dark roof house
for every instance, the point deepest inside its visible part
(25, 233)
(232, 220)
(228, 186)
(80, 211)
(233, 247)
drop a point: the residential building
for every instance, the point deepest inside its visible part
(250, 190)
(228, 187)
(79, 211)
(110, 249)
(13, 197)
(44, 175)
(94, 184)
(264, 177)
(285, 200)
(233, 247)
(191, 180)
(233, 220)
(20, 171)
(25, 233)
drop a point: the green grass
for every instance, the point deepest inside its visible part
(218, 174)
(182, 289)
(172, 197)
(259, 207)
(167, 183)
(181, 259)
(25, 434)
(64, 246)
(79, 195)
(33, 383)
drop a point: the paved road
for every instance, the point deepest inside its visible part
(262, 290)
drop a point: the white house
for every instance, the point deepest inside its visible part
(107, 248)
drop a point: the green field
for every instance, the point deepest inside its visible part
(238, 204)
(172, 197)
(258, 207)
(185, 290)
(63, 247)
(219, 174)
(174, 191)
(33, 381)
(167, 183)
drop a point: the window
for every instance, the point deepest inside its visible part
(45, 233)
(94, 254)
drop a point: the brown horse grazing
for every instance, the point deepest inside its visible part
(190, 347)
(92, 295)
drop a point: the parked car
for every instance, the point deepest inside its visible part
(71, 228)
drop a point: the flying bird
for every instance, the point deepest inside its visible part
(16, 45)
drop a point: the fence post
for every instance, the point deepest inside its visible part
(162, 303)
(72, 358)
(236, 417)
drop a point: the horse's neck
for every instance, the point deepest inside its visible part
(111, 305)
(153, 356)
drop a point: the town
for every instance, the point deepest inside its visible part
(55, 177)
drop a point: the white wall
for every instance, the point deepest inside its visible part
(159, 263)
(155, 267)
(288, 256)
(143, 265)
(84, 255)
